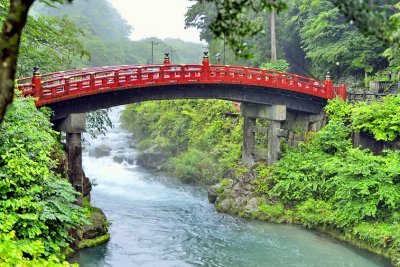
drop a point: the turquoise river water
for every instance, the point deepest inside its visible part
(159, 222)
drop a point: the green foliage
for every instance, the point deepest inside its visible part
(315, 212)
(328, 183)
(199, 134)
(337, 109)
(37, 206)
(271, 211)
(381, 119)
(52, 44)
(378, 234)
(195, 167)
(278, 65)
(262, 182)
(232, 23)
(98, 122)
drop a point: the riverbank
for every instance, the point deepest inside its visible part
(156, 220)
(240, 195)
(323, 183)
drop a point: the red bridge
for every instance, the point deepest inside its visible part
(89, 89)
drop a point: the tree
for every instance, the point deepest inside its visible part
(10, 38)
(370, 16)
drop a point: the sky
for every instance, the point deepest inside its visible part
(157, 18)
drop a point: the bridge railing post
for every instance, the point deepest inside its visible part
(166, 59)
(205, 66)
(329, 88)
(343, 91)
(92, 82)
(116, 77)
(67, 85)
(36, 82)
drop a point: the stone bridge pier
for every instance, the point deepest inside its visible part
(74, 125)
(283, 126)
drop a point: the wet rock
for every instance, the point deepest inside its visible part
(252, 205)
(118, 158)
(130, 158)
(213, 193)
(87, 186)
(100, 151)
(97, 225)
(153, 158)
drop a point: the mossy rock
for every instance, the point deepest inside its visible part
(97, 225)
(96, 221)
(87, 243)
(100, 151)
(118, 158)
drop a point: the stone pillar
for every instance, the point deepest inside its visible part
(274, 146)
(249, 139)
(74, 151)
(74, 125)
(276, 115)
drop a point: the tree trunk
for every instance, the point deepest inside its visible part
(273, 36)
(9, 47)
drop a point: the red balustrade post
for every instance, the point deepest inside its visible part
(92, 82)
(343, 91)
(36, 82)
(329, 89)
(166, 59)
(205, 66)
(116, 77)
(67, 85)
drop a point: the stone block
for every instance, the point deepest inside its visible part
(74, 123)
(275, 113)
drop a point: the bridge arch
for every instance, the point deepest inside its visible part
(263, 92)
(79, 91)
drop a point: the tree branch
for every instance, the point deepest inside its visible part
(9, 45)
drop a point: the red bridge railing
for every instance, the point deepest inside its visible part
(61, 86)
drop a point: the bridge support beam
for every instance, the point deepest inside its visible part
(74, 125)
(276, 114)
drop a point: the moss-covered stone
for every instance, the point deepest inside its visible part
(87, 243)
(95, 231)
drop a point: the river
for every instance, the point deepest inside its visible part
(156, 221)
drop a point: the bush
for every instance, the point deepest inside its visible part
(37, 206)
(189, 130)
(315, 212)
(381, 119)
(278, 65)
(196, 167)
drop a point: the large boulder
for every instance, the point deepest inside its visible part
(130, 158)
(97, 224)
(118, 158)
(152, 158)
(100, 151)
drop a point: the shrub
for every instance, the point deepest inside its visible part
(37, 206)
(195, 167)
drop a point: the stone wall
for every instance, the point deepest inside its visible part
(366, 141)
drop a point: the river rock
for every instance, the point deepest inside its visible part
(213, 193)
(235, 195)
(153, 158)
(100, 151)
(97, 224)
(118, 158)
(130, 158)
(252, 205)
(87, 186)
